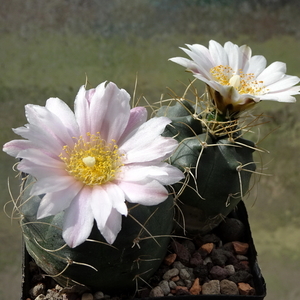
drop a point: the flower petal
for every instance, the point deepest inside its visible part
(112, 227)
(51, 184)
(38, 171)
(218, 54)
(204, 62)
(272, 73)
(101, 206)
(187, 63)
(284, 84)
(41, 158)
(155, 151)
(138, 116)
(14, 147)
(257, 64)
(109, 117)
(146, 192)
(82, 109)
(163, 173)
(78, 219)
(65, 114)
(246, 56)
(283, 96)
(49, 124)
(53, 203)
(40, 139)
(235, 58)
(116, 195)
(148, 138)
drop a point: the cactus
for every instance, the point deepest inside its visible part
(133, 258)
(217, 161)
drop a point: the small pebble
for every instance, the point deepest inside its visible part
(156, 292)
(245, 289)
(218, 273)
(172, 285)
(245, 265)
(220, 256)
(196, 259)
(211, 288)
(87, 296)
(178, 265)
(180, 283)
(182, 252)
(184, 274)
(175, 278)
(230, 269)
(191, 272)
(228, 247)
(240, 248)
(182, 290)
(240, 276)
(170, 273)
(38, 289)
(208, 247)
(231, 230)
(98, 296)
(65, 296)
(169, 259)
(201, 271)
(241, 257)
(228, 287)
(188, 283)
(164, 285)
(207, 260)
(189, 245)
(196, 288)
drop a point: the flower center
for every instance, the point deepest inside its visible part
(244, 83)
(94, 162)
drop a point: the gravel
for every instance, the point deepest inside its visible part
(203, 265)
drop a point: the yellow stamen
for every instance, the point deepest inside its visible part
(93, 161)
(244, 83)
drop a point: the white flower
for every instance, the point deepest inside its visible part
(235, 78)
(89, 162)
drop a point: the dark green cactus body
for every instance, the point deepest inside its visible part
(218, 169)
(137, 252)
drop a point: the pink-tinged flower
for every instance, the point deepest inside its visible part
(89, 162)
(237, 80)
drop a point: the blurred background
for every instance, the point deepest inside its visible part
(47, 48)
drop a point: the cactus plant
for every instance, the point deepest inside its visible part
(118, 268)
(218, 167)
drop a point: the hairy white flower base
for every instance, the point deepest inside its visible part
(87, 163)
(239, 77)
